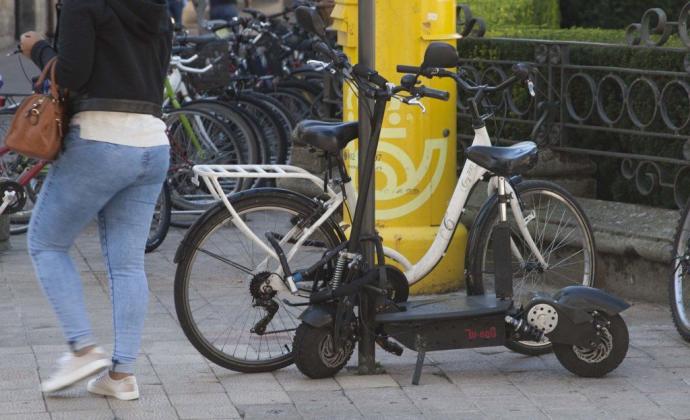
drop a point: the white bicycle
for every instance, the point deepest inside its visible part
(239, 309)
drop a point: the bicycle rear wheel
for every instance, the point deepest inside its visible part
(221, 272)
(562, 234)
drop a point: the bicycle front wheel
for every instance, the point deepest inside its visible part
(562, 235)
(679, 283)
(221, 302)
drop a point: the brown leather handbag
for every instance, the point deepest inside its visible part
(39, 123)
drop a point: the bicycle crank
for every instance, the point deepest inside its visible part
(12, 197)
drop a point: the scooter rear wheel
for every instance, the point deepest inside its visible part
(597, 362)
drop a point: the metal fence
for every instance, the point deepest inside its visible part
(621, 111)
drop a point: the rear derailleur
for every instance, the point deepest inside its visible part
(263, 294)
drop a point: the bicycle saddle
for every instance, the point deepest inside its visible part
(505, 161)
(331, 137)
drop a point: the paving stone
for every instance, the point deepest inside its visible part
(640, 411)
(268, 411)
(17, 378)
(28, 394)
(146, 413)
(354, 381)
(32, 416)
(207, 412)
(84, 415)
(580, 413)
(439, 399)
(324, 404)
(386, 401)
(515, 413)
(20, 407)
(294, 380)
(250, 397)
(74, 399)
(150, 396)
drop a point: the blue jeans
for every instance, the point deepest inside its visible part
(119, 185)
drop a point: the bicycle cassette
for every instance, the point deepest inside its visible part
(18, 202)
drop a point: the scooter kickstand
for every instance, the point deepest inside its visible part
(421, 355)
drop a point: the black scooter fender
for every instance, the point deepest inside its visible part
(318, 316)
(579, 301)
(575, 306)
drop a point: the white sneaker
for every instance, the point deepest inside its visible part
(72, 369)
(122, 389)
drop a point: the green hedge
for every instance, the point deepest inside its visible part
(610, 187)
(541, 13)
(613, 14)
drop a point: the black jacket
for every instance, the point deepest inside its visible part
(113, 54)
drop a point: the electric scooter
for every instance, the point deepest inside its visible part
(584, 325)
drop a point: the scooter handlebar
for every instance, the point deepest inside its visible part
(432, 93)
(401, 68)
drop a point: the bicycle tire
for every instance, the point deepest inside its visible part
(478, 280)
(224, 148)
(191, 250)
(677, 294)
(271, 125)
(296, 104)
(163, 210)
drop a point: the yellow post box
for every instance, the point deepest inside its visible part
(416, 162)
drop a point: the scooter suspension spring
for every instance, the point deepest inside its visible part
(338, 273)
(523, 329)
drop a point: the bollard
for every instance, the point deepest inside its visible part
(416, 173)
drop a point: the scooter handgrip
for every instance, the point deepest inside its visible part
(433, 93)
(408, 69)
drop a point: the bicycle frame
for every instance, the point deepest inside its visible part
(470, 176)
(23, 180)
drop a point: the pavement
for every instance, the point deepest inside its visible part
(176, 382)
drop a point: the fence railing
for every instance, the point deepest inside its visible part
(624, 103)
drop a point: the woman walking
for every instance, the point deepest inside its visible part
(112, 56)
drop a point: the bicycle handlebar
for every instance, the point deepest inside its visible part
(520, 70)
(196, 39)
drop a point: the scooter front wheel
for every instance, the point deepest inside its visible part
(315, 353)
(600, 360)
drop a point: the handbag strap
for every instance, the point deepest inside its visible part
(49, 68)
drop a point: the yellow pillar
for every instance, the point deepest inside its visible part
(416, 162)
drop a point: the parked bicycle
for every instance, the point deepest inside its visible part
(239, 249)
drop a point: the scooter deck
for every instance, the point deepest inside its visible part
(446, 308)
(450, 322)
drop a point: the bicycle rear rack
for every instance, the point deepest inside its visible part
(210, 174)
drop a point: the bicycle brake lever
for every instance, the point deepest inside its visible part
(416, 101)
